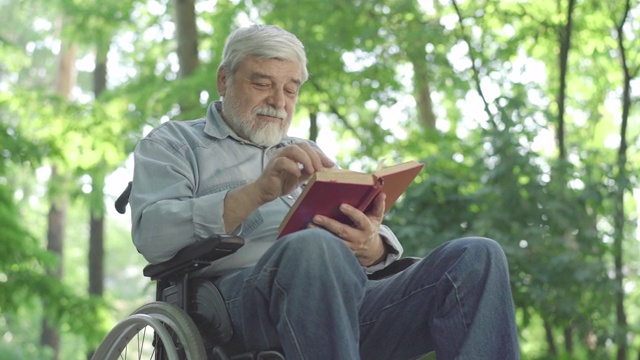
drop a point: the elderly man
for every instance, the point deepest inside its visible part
(236, 171)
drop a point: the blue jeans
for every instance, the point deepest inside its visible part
(310, 297)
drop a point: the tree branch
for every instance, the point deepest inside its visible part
(336, 112)
(474, 68)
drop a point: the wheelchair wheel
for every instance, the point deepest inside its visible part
(156, 330)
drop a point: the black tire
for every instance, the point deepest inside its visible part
(174, 333)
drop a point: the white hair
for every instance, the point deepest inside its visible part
(263, 42)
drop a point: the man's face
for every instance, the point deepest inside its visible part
(259, 100)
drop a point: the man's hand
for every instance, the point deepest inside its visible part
(289, 167)
(363, 237)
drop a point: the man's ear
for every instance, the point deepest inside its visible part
(221, 81)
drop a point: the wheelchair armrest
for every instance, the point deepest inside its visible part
(393, 268)
(194, 256)
(123, 199)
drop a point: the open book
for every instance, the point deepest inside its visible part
(326, 190)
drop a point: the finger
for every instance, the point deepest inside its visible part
(315, 155)
(377, 207)
(325, 161)
(359, 219)
(320, 160)
(286, 165)
(337, 228)
(300, 157)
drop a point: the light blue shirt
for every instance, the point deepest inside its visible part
(183, 171)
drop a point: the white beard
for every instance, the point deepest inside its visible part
(262, 133)
(265, 134)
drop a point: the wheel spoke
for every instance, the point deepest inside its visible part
(171, 333)
(141, 343)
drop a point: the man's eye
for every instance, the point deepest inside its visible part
(261, 85)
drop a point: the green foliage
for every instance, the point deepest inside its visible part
(29, 134)
(24, 265)
(24, 278)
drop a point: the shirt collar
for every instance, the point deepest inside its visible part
(216, 127)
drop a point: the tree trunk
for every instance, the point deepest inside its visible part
(96, 203)
(622, 181)
(56, 218)
(65, 75)
(65, 80)
(568, 340)
(565, 45)
(548, 332)
(187, 43)
(187, 36)
(313, 126)
(96, 235)
(423, 94)
(100, 70)
(417, 55)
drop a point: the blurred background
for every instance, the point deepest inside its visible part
(525, 114)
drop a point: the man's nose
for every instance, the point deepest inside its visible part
(276, 98)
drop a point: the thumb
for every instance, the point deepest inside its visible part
(377, 208)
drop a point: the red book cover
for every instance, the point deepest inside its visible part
(326, 190)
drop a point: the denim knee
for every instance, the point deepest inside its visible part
(316, 250)
(484, 249)
(469, 257)
(478, 260)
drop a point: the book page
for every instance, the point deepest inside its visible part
(344, 176)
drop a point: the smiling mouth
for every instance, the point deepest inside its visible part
(270, 114)
(270, 117)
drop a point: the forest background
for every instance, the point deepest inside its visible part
(525, 114)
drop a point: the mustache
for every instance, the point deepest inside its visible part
(269, 111)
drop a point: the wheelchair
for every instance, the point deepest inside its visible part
(188, 320)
